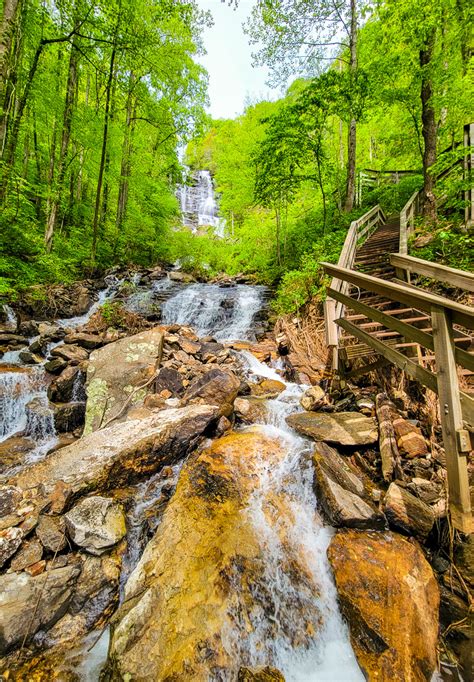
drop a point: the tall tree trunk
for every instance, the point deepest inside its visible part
(106, 190)
(428, 127)
(125, 169)
(56, 199)
(81, 153)
(10, 17)
(352, 135)
(52, 157)
(100, 179)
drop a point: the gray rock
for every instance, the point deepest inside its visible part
(216, 387)
(407, 513)
(343, 428)
(29, 553)
(29, 603)
(121, 453)
(96, 523)
(74, 355)
(51, 532)
(10, 540)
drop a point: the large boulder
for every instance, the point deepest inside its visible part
(216, 387)
(121, 453)
(29, 603)
(61, 390)
(340, 428)
(339, 490)
(96, 524)
(206, 569)
(390, 598)
(251, 410)
(117, 373)
(407, 513)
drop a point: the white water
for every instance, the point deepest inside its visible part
(145, 300)
(199, 206)
(226, 313)
(11, 320)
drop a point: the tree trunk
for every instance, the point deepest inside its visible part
(125, 169)
(11, 13)
(65, 138)
(95, 225)
(428, 127)
(52, 163)
(352, 136)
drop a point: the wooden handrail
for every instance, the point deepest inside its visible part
(407, 221)
(359, 231)
(442, 273)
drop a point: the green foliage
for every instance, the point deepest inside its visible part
(393, 196)
(449, 245)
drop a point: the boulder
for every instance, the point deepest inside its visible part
(13, 451)
(250, 409)
(84, 339)
(407, 513)
(96, 523)
(61, 389)
(29, 358)
(118, 371)
(68, 416)
(51, 532)
(313, 398)
(265, 674)
(410, 440)
(390, 598)
(216, 387)
(29, 553)
(339, 491)
(51, 332)
(169, 379)
(207, 566)
(55, 366)
(74, 355)
(10, 540)
(28, 603)
(342, 428)
(121, 453)
(270, 388)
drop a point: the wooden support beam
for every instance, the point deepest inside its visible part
(407, 330)
(417, 298)
(372, 367)
(452, 421)
(454, 277)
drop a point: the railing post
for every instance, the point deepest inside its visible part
(456, 440)
(332, 330)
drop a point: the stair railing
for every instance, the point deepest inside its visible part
(359, 231)
(407, 221)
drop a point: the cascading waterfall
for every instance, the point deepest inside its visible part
(199, 206)
(17, 389)
(10, 317)
(226, 313)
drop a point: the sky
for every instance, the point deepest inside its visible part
(232, 79)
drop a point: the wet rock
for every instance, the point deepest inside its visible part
(51, 532)
(123, 452)
(61, 389)
(96, 523)
(185, 583)
(13, 451)
(260, 675)
(343, 428)
(9, 339)
(10, 540)
(30, 553)
(55, 366)
(313, 398)
(51, 332)
(216, 387)
(169, 379)
(74, 355)
(68, 416)
(339, 491)
(251, 410)
(269, 388)
(28, 328)
(223, 425)
(390, 598)
(178, 276)
(428, 491)
(84, 339)
(117, 371)
(30, 358)
(29, 603)
(406, 512)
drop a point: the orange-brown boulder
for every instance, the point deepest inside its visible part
(390, 598)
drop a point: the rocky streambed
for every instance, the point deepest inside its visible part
(202, 517)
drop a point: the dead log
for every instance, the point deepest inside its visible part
(389, 453)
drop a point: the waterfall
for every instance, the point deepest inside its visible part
(226, 313)
(199, 206)
(10, 317)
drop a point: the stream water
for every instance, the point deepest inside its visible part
(230, 314)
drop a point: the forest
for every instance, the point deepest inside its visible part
(97, 99)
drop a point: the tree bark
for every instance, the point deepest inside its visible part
(352, 135)
(65, 138)
(11, 13)
(100, 179)
(428, 130)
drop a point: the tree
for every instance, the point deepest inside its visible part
(296, 36)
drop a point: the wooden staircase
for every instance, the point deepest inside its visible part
(373, 258)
